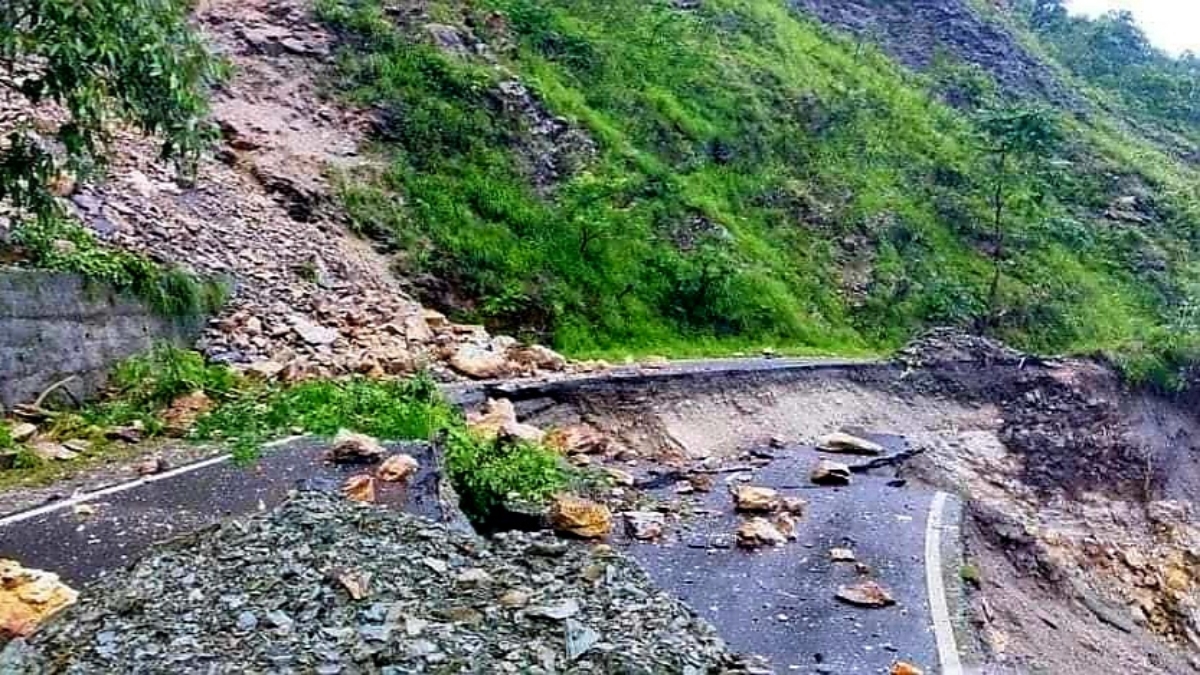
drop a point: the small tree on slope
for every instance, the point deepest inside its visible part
(1019, 141)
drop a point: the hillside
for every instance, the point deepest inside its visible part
(720, 176)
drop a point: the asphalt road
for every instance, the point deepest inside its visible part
(780, 602)
(130, 518)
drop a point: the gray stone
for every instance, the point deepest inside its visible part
(312, 333)
(55, 325)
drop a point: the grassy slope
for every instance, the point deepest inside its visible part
(800, 151)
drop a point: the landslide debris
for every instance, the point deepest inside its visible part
(327, 586)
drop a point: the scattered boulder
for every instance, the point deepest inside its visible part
(580, 517)
(151, 466)
(645, 525)
(28, 597)
(619, 477)
(827, 472)
(354, 448)
(479, 362)
(866, 594)
(23, 432)
(558, 611)
(51, 451)
(135, 432)
(397, 468)
(499, 420)
(184, 411)
(265, 370)
(786, 525)
(848, 444)
(842, 555)
(578, 439)
(538, 357)
(312, 333)
(360, 488)
(514, 599)
(752, 499)
(794, 505)
(759, 532)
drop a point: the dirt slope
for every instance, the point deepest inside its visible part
(310, 298)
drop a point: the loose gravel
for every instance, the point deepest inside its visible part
(322, 585)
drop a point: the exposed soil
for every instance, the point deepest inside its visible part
(1079, 523)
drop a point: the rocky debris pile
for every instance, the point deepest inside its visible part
(948, 346)
(326, 586)
(1073, 438)
(308, 298)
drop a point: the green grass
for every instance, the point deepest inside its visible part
(745, 159)
(248, 415)
(58, 244)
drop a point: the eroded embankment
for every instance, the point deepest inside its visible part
(1080, 524)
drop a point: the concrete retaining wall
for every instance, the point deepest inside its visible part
(53, 325)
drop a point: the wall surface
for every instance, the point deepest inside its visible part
(55, 325)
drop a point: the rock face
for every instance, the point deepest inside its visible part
(914, 31)
(365, 586)
(28, 597)
(580, 517)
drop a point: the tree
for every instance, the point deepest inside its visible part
(136, 62)
(1018, 140)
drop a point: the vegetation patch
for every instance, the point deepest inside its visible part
(55, 243)
(248, 414)
(756, 181)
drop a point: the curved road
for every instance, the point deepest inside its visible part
(778, 603)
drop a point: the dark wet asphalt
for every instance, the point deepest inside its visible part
(81, 548)
(780, 602)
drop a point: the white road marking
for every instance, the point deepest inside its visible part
(82, 497)
(943, 630)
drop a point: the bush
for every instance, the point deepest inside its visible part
(486, 473)
(167, 372)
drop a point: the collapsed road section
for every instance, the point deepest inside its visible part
(800, 509)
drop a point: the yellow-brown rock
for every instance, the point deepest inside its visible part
(184, 411)
(397, 468)
(752, 499)
(499, 419)
(580, 517)
(28, 597)
(360, 488)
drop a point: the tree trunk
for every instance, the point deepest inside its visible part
(998, 236)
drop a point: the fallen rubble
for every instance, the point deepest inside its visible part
(328, 586)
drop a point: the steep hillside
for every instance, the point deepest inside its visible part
(717, 175)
